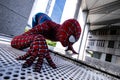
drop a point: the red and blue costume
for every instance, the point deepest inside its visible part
(67, 33)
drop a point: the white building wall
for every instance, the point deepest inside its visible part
(118, 60)
(113, 59)
(69, 10)
(103, 56)
(51, 8)
(115, 51)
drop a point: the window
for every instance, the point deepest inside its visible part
(108, 57)
(119, 45)
(92, 32)
(102, 32)
(118, 32)
(97, 44)
(97, 55)
(113, 32)
(105, 32)
(100, 43)
(90, 36)
(91, 42)
(111, 44)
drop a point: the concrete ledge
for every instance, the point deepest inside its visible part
(106, 68)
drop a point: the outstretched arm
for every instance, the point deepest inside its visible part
(38, 48)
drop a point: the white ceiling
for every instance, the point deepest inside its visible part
(102, 13)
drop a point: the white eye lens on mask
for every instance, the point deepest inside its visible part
(72, 39)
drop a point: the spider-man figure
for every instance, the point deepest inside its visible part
(67, 33)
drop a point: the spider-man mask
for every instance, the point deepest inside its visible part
(69, 32)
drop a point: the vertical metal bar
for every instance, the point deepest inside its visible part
(77, 9)
(87, 12)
